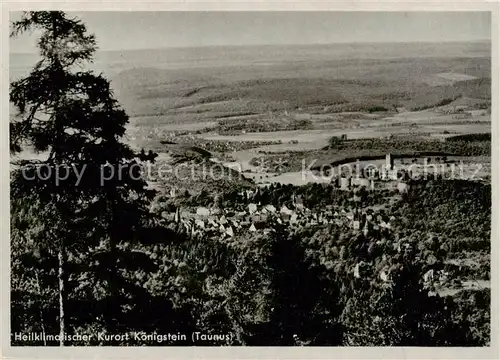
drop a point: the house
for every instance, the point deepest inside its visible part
(229, 231)
(475, 113)
(429, 277)
(345, 183)
(270, 208)
(252, 208)
(200, 223)
(223, 220)
(403, 187)
(356, 224)
(362, 182)
(202, 211)
(385, 275)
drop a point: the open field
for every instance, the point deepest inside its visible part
(456, 77)
(320, 137)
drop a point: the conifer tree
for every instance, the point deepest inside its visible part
(90, 180)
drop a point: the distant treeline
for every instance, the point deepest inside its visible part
(440, 103)
(462, 145)
(377, 109)
(231, 126)
(470, 137)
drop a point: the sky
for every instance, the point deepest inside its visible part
(152, 30)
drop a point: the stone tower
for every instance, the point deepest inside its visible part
(389, 162)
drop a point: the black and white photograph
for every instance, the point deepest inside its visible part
(250, 178)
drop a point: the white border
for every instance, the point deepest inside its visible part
(245, 352)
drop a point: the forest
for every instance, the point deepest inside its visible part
(287, 287)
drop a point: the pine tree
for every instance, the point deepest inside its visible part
(70, 114)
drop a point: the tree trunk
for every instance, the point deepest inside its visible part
(112, 267)
(62, 250)
(62, 294)
(40, 310)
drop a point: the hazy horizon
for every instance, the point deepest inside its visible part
(124, 31)
(281, 45)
